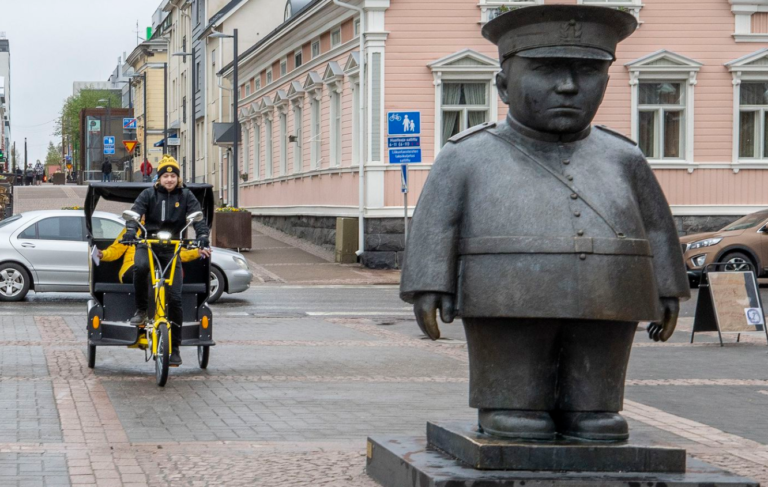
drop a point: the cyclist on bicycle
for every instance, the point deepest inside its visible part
(165, 206)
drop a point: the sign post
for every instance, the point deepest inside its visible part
(404, 145)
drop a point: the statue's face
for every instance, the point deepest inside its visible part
(554, 95)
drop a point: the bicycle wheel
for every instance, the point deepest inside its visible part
(163, 352)
(203, 354)
(91, 356)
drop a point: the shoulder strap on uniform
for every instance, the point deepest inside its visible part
(616, 134)
(471, 131)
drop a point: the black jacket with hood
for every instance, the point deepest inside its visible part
(167, 211)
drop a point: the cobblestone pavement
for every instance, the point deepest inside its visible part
(290, 397)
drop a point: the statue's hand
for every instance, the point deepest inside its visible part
(425, 308)
(663, 331)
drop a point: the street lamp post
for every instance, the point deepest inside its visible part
(236, 122)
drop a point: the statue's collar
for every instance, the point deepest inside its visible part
(545, 136)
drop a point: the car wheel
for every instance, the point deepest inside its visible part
(14, 282)
(739, 262)
(217, 284)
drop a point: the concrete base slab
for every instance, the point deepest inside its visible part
(481, 451)
(408, 462)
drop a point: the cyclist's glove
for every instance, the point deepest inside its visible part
(128, 237)
(203, 242)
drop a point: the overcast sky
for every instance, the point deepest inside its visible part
(56, 42)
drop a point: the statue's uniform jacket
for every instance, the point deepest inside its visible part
(512, 240)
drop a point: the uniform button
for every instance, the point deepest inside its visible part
(574, 196)
(583, 256)
(580, 233)
(577, 214)
(569, 177)
(566, 161)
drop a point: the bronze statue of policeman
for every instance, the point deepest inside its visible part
(549, 237)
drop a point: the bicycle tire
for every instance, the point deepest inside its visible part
(203, 354)
(162, 357)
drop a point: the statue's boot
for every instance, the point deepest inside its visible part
(523, 425)
(592, 426)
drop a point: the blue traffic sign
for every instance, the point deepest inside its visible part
(109, 145)
(404, 156)
(404, 178)
(403, 142)
(404, 123)
(130, 124)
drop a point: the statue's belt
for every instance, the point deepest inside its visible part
(555, 245)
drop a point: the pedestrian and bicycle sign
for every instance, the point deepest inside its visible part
(404, 123)
(404, 142)
(130, 124)
(109, 145)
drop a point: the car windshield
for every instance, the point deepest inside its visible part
(748, 221)
(9, 220)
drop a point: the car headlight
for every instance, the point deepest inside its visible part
(164, 235)
(240, 262)
(704, 243)
(698, 261)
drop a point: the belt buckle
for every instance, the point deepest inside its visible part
(583, 245)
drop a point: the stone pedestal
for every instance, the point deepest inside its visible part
(457, 456)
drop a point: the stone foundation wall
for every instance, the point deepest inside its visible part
(385, 239)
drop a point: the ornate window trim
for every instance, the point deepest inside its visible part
(752, 67)
(464, 65)
(281, 101)
(742, 11)
(313, 85)
(334, 77)
(296, 93)
(631, 6)
(665, 65)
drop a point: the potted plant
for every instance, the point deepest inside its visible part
(244, 176)
(231, 228)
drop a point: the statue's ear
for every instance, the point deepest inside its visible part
(501, 86)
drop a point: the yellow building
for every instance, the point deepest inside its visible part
(148, 60)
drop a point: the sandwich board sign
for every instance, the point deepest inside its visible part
(729, 302)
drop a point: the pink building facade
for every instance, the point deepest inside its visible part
(691, 86)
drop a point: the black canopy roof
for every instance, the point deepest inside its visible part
(128, 192)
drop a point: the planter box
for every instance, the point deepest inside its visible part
(59, 178)
(231, 230)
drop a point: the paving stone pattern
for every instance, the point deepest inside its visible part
(290, 400)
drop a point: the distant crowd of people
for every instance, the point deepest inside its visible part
(31, 175)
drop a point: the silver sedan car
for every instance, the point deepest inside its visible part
(47, 251)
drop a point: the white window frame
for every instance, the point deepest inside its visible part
(298, 132)
(246, 146)
(257, 148)
(316, 132)
(631, 6)
(658, 111)
(445, 69)
(679, 69)
(283, 67)
(296, 54)
(269, 159)
(312, 53)
(269, 76)
(257, 82)
(247, 88)
(356, 27)
(745, 69)
(334, 32)
(489, 9)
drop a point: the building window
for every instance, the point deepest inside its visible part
(356, 122)
(257, 83)
(268, 148)
(631, 6)
(315, 49)
(298, 146)
(297, 58)
(335, 128)
(357, 27)
(256, 151)
(753, 109)
(464, 105)
(283, 67)
(315, 137)
(200, 11)
(184, 109)
(661, 119)
(247, 88)
(283, 144)
(335, 37)
(246, 147)
(269, 75)
(184, 49)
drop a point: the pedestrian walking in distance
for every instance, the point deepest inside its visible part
(106, 171)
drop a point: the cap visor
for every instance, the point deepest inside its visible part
(569, 52)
